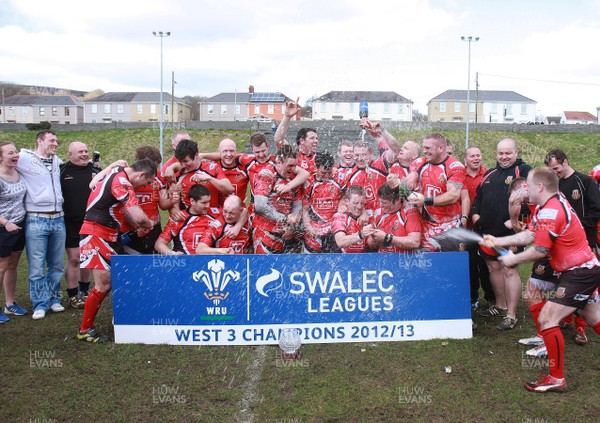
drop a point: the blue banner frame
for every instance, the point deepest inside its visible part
(248, 299)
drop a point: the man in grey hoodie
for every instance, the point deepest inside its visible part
(45, 226)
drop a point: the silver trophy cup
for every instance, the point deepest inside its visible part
(289, 342)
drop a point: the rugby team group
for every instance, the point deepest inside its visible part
(394, 198)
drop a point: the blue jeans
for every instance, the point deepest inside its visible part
(45, 246)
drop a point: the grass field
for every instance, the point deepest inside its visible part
(48, 376)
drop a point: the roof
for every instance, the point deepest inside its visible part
(579, 116)
(357, 96)
(229, 98)
(132, 97)
(483, 95)
(264, 97)
(40, 100)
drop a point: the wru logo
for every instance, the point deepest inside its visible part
(216, 280)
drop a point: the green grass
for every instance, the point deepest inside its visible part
(365, 382)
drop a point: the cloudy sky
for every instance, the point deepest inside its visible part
(544, 50)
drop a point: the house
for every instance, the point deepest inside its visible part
(260, 106)
(63, 109)
(485, 106)
(577, 118)
(344, 105)
(135, 107)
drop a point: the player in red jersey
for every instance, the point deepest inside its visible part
(277, 214)
(307, 140)
(233, 169)
(186, 233)
(100, 230)
(215, 239)
(345, 166)
(440, 181)
(397, 223)
(595, 174)
(194, 171)
(321, 199)
(350, 236)
(150, 197)
(175, 140)
(557, 234)
(366, 176)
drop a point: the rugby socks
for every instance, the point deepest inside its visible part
(84, 287)
(580, 322)
(555, 345)
(535, 311)
(569, 319)
(71, 292)
(92, 305)
(596, 328)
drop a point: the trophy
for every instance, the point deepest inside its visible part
(289, 342)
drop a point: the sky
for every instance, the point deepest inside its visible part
(543, 50)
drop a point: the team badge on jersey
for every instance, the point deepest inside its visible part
(442, 179)
(575, 195)
(395, 226)
(560, 292)
(539, 270)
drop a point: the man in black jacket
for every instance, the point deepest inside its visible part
(75, 178)
(490, 215)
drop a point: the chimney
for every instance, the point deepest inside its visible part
(251, 89)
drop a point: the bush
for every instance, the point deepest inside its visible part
(42, 126)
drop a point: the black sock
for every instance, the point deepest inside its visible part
(71, 292)
(84, 287)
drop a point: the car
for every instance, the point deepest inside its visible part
(260, 118)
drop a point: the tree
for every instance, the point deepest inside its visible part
(193, 101)
(418, 116)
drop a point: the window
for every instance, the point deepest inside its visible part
(54, 111)
(337, 108)
(457, 107)
(386, 108)
(139, 108)
(23, 112)
(323, 107)
(238, 109)
(210, 109)
(94, 108)
(400, 108)
(494, 108)
(508, 110)
(153, 109)
(11, 111)
(351, 107)
(107, 108)
(442, 106)
(257, 109)
(42, 111)
(271, 109)
(119, 108)
(67, 111)
(223, 109)
(523, 109)
(471, 107)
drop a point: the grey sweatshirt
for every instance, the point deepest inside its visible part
(43, 187)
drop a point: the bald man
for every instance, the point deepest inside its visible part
(218, 237)
(75, 178)
(490, 214)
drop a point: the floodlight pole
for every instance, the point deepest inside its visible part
(468, 39)
(161, 35)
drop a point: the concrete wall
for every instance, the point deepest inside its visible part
(322, 126)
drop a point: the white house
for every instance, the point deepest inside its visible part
(485, 106)
(344, 105)
(578, 118)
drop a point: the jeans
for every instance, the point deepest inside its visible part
(45, 246)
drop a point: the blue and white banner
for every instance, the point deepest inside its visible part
(248, 299)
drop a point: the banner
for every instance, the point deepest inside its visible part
(248, 299)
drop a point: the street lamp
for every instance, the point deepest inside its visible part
(161, 35)
(469, 39)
